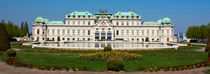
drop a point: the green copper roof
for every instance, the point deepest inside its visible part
(159, 21)
(81, 13)
(56, 22)
(126, 14)
(167, 20)
(39, 20)
(46, 21)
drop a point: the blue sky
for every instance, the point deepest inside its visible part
(183, 13)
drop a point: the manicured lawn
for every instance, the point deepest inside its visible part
(151, 58)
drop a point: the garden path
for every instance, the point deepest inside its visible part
(7, 69)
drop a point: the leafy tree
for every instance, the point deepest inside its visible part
(22, 26)
(203, 32)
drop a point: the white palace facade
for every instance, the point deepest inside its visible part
(103, 26)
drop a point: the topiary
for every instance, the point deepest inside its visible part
(115, 63)
(4, 39)
(107, 48)
(11, 53)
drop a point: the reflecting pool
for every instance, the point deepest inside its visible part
(101, 45)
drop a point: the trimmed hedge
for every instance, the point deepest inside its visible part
(115, 63)
(11, 53)
(107, 48)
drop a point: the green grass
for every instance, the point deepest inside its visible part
(151, 58)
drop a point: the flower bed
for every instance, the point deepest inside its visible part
(177, 68)
(1, 53)
(13, 61)
(102, 56)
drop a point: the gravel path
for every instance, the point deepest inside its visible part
(6, 69)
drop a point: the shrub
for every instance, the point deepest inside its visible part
(11, 53)
(115, 63)
(208, 47)
(20, 44)
(189, 44)
(107, 48)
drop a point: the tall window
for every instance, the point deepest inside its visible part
(117, 32)
(53, 31)
(43, 31)
(73, 22)
(152, 32)
(142, 32)
(168, 32)
(78, 32)
(37, 31)
(117, 23)
(68, 31)
(63, 31)
(132, 32)
(137, 32)
(58, 31)
(83, 32)
(147, 32)
(127, 32)
(73, 31)
(122, 32)
(88, 32)
(88, 23)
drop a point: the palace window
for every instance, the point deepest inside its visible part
(117, 23)
(68, 31)
(78, 32)
(83, 22)
(127, 32)
(142, 32)
(132, 32)
(147, 32)
(167, 32)
(109, 28)
(127, 23)
(117, 32)
(122, 23)
(63, 38)
(73, 31)
(88, 23)
(73, 22)
(58, 31)
(88, 32)
(102, 28)
(137, 32)
(53, 31)
(63, 31)
(152, 32)
(122, 32)
(37, 31)
(83, 32)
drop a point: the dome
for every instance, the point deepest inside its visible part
(159, 21)
(46, 21)
(39, 20)
(167, 20)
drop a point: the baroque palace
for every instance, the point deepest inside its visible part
(103, 26)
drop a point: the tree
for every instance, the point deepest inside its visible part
(189, 32)
(203, 32)
(22, 26)
(4, 41)
(26, 30)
